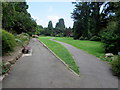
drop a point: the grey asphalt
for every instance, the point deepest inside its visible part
(44, 70)
(41, 70)
(93, 72)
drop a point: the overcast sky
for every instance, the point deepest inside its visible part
(43, 12)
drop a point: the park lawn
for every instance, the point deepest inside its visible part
(92, 47)
(61, 52)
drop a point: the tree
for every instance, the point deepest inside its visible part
(85, 22)
(50, 25)
(68, 32)
(60, 24)
(111, 34)
(39, 30)
(16, 19)
(60, 27)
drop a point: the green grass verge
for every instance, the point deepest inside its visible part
(92, 47)
(61, 52)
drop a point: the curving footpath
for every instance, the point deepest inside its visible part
(43, 70)
(93, 72)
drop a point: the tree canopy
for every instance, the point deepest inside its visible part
(91, 24)
(16, 19)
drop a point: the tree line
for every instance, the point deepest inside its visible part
(59, 30)
(91, 22)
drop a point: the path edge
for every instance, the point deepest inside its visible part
(12, 62)
(59, 58)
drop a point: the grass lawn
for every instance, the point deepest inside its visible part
(61, 52)
(92, 47)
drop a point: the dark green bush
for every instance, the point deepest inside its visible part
(111, 38)
(116, 66)
(86, 38)
(8, 41)
(81, 38)
(95, 38)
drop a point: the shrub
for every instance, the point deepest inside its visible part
(111, 38)
(8, 41)
(86, 38)
(116, 66)
(95, 38)
(81, 38)
(22, 37)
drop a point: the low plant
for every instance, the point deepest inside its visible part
(116, 66)
(3, 68)
(22, 38)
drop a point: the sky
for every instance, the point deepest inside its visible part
(43, 12)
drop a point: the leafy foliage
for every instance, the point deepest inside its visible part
(16, 19)
(50, 26)
(116, 66)
(91, 23)
(39, 30)
(59, 29)
(111, 38)
(86, 19)
(95, 38)
(22, 38)
(8, 41)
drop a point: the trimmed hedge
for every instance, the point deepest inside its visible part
(8, 42)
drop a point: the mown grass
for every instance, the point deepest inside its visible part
(61, 52)
(92, 47)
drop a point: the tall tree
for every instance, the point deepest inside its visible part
(60, 27)
(111, 34)
(16, 19)
(50, 25)
(60, 24)
(84, 16)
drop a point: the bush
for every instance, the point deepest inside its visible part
(95, 38)
(111, 38)
(116, 66)
(22, 37)
(8, 41)
(81, 38)
(86, 38)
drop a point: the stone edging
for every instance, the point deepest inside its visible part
(59, 59)
(11, 62)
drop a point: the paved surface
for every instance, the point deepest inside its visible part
(93, 72)
(44, 70)
(41, 70)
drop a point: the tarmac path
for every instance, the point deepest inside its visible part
(43, 70)
(93, 72)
